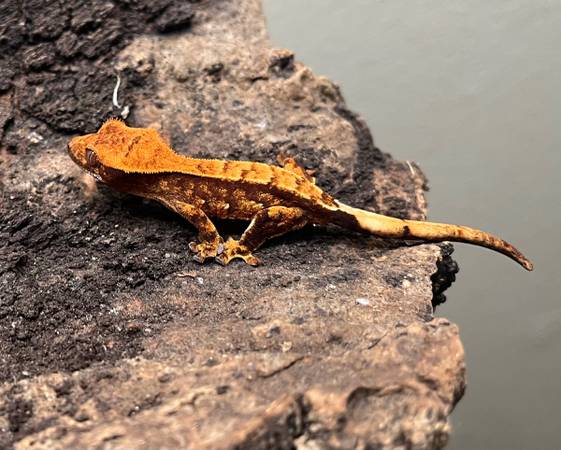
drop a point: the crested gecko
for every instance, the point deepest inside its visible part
(275, 200)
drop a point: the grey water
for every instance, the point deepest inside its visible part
(470, 90)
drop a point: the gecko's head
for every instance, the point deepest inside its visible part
(116, 149)
(86, 150)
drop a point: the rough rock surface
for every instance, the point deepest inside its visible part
(112, 337)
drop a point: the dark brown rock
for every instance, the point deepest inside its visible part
(111, 336)
(40, 56)
(174, 18)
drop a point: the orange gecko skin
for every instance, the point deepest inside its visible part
(274, 199)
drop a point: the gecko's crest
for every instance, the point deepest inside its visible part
(113, 121)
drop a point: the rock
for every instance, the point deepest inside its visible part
(111, 336)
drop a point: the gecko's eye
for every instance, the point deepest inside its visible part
(91, 158)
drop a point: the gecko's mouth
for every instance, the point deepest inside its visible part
(95, 175)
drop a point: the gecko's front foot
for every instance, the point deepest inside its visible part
(233, 250)
(206, 250)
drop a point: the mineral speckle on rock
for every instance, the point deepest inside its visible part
(112, 337)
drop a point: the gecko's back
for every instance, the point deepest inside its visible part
(143, 151)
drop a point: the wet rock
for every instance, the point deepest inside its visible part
(111, 336)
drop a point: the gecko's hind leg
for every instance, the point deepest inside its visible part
(267, 223)
(210, 243)
(288, 163)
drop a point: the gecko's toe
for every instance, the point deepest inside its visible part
(233, 250)
(200, 259)
(206, 250)
(224, 260)
(251, 260)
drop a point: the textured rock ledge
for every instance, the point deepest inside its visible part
(111, 337)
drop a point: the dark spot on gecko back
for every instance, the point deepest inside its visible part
(406, 231)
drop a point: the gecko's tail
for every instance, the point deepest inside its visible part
(391, 227)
